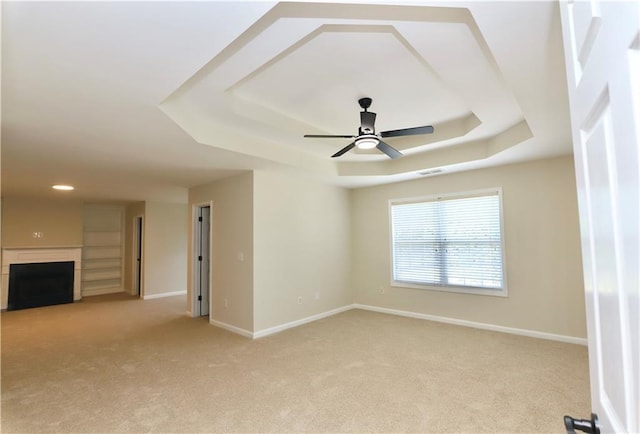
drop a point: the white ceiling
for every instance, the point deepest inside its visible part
(142, 100)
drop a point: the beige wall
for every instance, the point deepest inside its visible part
(301, 248)
(165, 248)
(60, 222)
(97, 217)
(544, 270)
(132, 211)
(301, 238)
(231, 202)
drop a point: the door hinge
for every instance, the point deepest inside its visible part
(199, 258)
(200, 218)
(199, 298)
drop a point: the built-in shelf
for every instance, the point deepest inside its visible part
(102, 253)
(96, 275)
(101, 284)
(100, 264)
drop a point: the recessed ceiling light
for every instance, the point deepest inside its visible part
(63, 187)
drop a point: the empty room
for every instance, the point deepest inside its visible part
(373, 216)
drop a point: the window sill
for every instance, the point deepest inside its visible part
(457, 289)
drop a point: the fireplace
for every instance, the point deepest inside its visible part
(40, 284)
(43, 258)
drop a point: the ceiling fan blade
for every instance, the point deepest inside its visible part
(367, 122)
(408, 131)
(389, 150)
(328, 136)
(344, 150)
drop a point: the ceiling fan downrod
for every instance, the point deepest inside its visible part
(365, 103)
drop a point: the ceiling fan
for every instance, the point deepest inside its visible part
(367, 137)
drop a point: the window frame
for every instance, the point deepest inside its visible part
(498, 292)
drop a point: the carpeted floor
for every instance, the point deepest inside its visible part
(117, 364)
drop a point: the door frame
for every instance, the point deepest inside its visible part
(195, 305)
(138, 240)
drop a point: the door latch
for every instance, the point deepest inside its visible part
(584, 425)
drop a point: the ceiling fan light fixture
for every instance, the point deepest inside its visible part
(367, 142)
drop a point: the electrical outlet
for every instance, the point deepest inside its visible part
(225, 303)
(300, 300)
(381, 289)
(317, 295)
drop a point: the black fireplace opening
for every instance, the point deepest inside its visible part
(40, 284)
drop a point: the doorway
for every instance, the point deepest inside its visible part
(137, 256)
(202, 259)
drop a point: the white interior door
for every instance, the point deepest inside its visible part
(204, 264)
(602, 50)
(137, 253)
(202, 259)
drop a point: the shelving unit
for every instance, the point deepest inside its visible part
(102, 253)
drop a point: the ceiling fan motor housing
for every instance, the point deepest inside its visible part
(365, 103)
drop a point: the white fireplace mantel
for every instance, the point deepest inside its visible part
(32, 255)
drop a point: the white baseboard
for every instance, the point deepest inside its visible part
(164, 294)
(296, 323)
(100, 291)
(231, 328)
(442, 319)
(477, 325)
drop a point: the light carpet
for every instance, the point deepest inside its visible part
(118, 364)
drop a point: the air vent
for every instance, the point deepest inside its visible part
(429, 172)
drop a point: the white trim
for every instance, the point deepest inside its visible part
(101, 291)
(54, 246)
(296, 323)
(163, 295)
(234, 329)
(450, 195)
(477, 325)
(471, 290)
(416, 315)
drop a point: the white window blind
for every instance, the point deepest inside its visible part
(453, 241)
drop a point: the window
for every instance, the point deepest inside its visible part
(451, 242)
